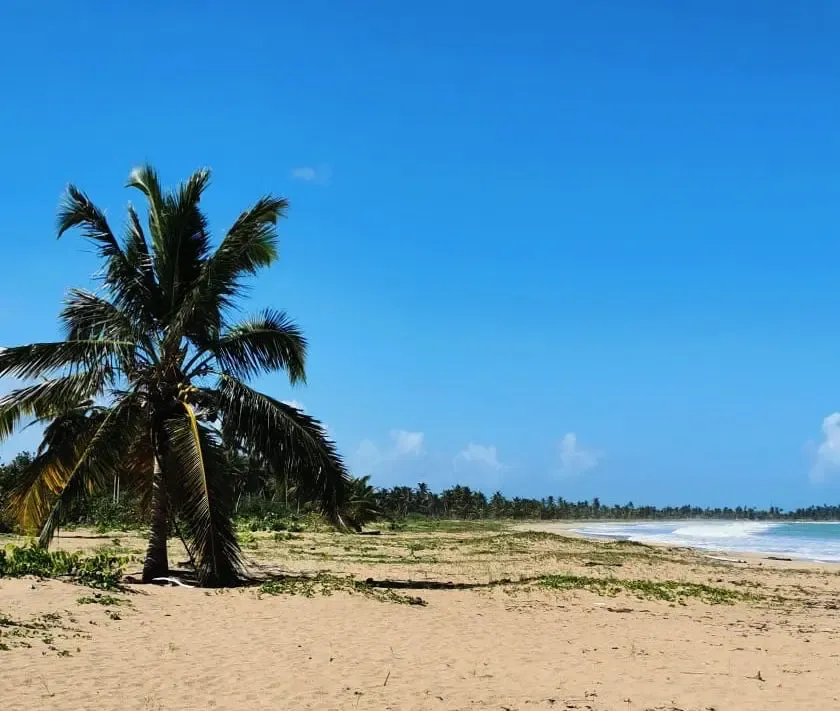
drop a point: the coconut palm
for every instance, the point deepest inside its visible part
(153, 376)
(362, 503)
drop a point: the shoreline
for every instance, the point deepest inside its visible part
(780, 560)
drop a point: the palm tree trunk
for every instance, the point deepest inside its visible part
(156, 564)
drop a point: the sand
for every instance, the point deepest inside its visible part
(517, 646)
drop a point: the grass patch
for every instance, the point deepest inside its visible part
(248, 540)
(326, 584)
(280, 536)
(450, 526)
(101, 570)
(667, 590)
(100, 599)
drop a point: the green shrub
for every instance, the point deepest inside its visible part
(277, 521)
(103, 570)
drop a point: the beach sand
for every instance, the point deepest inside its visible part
(511, 646)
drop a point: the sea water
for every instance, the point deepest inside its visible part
(807, 540)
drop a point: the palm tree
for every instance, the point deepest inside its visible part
(152, 378)
(362, 503)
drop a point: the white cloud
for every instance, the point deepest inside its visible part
(484, 455)
(403, 444)
(574, 458)
(827, 456)
(407, 442)
(311, 174)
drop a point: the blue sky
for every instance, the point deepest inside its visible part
(580, 249)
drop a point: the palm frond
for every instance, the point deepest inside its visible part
(87, 316)
(264, 343)
(251, 242)
(33, 494)
(145, 179)
(38, 359)
(77, 210)
(136, 247)
(145, 289)
(137, 467)
(249, 245)
(203, 496)
(290, 440)
(97, 455)
(48, 399)
(185, 244)
(131, 289)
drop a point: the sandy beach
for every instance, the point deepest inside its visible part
(619, 626)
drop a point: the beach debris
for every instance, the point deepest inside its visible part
(619, 609)
(171, 581)
(725, 559)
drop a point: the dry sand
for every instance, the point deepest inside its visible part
(515, 646)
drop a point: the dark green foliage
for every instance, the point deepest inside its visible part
(102, 570)
(461, 502)
(9, 475)
(362, 502)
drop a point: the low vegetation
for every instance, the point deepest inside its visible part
(102, 570)
(668, 590)
(327, 584)
(48, 629)
(101, 599)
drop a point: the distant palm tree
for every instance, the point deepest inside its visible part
(152, 378)
(361, 502)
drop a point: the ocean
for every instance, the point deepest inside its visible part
(806, 541)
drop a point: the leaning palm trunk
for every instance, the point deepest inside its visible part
(156, 564)
(153, 370)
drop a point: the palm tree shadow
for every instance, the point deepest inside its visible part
(281, 576)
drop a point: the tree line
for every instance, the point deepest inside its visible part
(461, 502)
(260, 491)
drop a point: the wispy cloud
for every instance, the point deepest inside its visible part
(479, 454)
(574, 458)
(827, 454)
(319, 175)
(403, 444)
(406, 443)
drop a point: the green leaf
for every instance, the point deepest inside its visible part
(47, 399)
(263, 344)
(38, 359)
